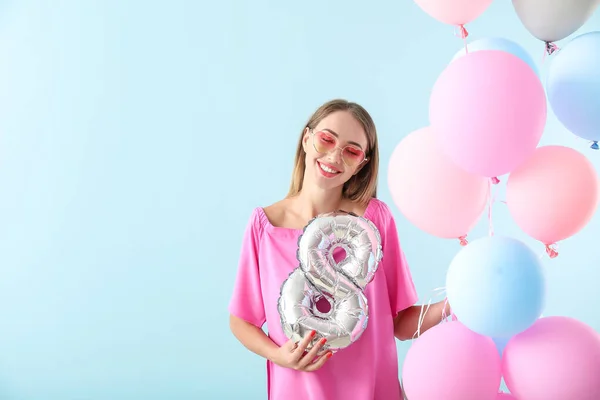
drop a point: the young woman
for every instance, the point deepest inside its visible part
(336, 168)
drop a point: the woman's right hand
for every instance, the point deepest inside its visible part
(294, 355)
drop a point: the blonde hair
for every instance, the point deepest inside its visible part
(362, 186)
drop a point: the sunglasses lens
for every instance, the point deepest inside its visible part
(324, 142)
(353, 156)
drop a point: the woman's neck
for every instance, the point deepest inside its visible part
(314, 202)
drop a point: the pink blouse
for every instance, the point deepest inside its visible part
(368, 368)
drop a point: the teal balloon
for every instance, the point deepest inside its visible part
(573, 86)
(496, 286)
(500, 44)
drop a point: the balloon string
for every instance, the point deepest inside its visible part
(491, 200)
(463, 34)
(425, 308)
(422, 314)
(444, 316)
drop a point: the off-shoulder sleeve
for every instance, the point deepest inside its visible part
(247, 300)
(400, 285)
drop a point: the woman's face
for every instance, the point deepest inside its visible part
(335, 150)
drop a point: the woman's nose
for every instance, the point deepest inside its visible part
(336, 155)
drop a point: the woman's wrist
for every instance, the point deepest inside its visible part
(271, 352)
(447, 310)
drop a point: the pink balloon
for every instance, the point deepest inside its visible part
(454, 12)
(432, 192)
(554, 194)
(505, 396)
(488, 110)
(451, 362)
(558, 358)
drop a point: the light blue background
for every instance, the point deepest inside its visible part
(137, 136)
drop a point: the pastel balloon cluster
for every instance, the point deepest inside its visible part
(497, 289)
(573, 81)
(487, 115)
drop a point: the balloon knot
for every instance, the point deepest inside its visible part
(551, 48)
(551, 250)
(595, 145)
(463, 240)
(463, 33)
(495, 180)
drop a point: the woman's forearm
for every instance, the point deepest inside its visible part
(252, 337)
(406, 322)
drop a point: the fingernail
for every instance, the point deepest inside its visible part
(313, 333)
(329, 354)
(323, 341)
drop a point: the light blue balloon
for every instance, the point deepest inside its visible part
(573, 86)
(496, 286)
(501, 44)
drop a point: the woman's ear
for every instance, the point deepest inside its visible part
(305, 138)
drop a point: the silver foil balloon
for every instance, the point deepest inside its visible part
(320, 278)
(553, 20)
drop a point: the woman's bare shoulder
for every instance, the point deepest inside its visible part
(277, 212)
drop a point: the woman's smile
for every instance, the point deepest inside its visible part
(328, 170)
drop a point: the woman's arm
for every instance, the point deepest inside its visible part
(290, 355)
(406, 322)
(252, 337)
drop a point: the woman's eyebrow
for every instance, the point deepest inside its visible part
(337, 136)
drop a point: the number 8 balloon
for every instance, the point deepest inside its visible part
(320, 278)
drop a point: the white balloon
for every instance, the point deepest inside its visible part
(553, 20)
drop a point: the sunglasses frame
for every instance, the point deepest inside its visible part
(365, 159)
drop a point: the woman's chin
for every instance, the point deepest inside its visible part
(328, 183)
